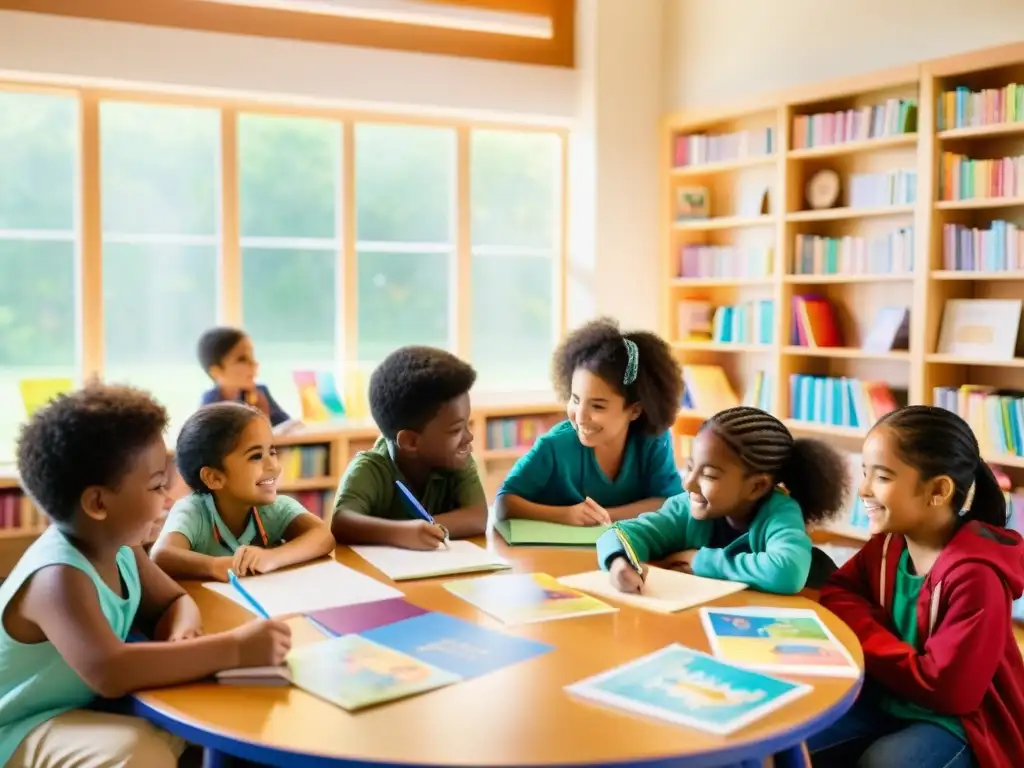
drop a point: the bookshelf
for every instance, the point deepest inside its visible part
(929, 208)
(313, 461)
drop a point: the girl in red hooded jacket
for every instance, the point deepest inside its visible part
(929, 599)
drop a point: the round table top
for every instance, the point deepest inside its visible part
(516, 716)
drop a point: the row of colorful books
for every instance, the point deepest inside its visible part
(320, 503)
(840, 402)
(304, 461)
(703, 148)
(814, 322)
(707, 390)
(749, 322)
(996, 416)
(519, 431)
(884, 254)
(963, 108)
(965, 178)
(1000, 248)
(890, 118)
(18, 512)
(876, 190)
(725, 261)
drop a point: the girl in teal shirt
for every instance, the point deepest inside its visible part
(612, 458)
(751, 489)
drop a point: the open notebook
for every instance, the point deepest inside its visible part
(407, 564)
(664, 591)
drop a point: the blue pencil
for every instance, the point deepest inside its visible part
(233, 580)
(419, 509)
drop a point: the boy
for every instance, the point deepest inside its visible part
(96, 462)
(419, 398)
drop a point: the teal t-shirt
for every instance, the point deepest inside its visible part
(36, 684)
(195, 517)
(560, 471)
(904, 615)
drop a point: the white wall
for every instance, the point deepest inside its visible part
(722, 51)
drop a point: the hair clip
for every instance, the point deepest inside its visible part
(632, 361)
(968, 500)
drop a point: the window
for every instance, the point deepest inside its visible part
(38, 247)
(161, 221)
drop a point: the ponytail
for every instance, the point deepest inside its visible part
(987, 503)
(817, 478)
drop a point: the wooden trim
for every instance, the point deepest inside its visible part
(561, 292)
(90, 225)
(230, 306)
(973, 61)
(556, 51)
(461, 310)
(348, 269)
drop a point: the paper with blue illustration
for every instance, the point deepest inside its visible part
(690, 688)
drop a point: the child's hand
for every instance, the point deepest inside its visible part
(587, 513)
(221, 566)
(262, 643)
(252, 560)
(679, 561)
(625, 578)
(419, 534)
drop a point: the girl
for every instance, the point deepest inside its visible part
(612, 458)
(751, 489)
(929, 598)
(234, 519)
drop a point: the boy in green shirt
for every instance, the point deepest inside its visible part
(419, 399)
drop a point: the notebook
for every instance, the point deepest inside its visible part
(534, 532)
(324, 584)
(256, 676)
(526, 598)
(664, 591)
(407, 564)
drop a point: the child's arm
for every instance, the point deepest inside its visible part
(781, 569)
(306, 537)
(61, 603)
(653, 535)
(528, 480)
(849, 595)
(166, 611)
(469, 518)
(173, 553)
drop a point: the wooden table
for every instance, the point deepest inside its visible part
(516, 716)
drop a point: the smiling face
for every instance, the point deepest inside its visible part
(446, 441)
(718, 482)
(252, 468)
(597, 412)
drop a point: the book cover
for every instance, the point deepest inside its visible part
(785, 640)
(526, 598)
(353, 619)
(690, 688)
(460, 647)
(354, 672)
(534, 532)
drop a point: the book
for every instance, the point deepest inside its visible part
(256, 676)
(664, 591)
(460, 647)
(407, 564)
(690, 688)
(323, 584)
(354, 672)
(353, 619)
(534, 532)
(784, 640)
(526, 598)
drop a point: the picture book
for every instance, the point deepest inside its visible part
(352, 619)
(783, 640)
(354, 672)
(542, 532)
(407, 564)
(690, 688)
(323, 584)
(526, 598)
(664, 591)
(272, 677)
(458, 646)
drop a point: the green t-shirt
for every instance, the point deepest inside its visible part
(904, 615)
(368, 487)
(195, 517)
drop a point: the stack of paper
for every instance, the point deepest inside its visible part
(664, 591)
(407, 564)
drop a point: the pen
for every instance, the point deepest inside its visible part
(233, 580)
(419, 510)
(628, 550)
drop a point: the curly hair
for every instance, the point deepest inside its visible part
(411, 384)
(814, 473)
(210, 434)
(599, 348)
(215, 343)
(88, 437)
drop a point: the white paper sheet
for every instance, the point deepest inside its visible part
(664, 591)
(326, 584)
(406, 564)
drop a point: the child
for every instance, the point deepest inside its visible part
(929, 599)
(96, 462)
(419, 398)
(228, 357)
(612, 458)
(234, 519)
(750, 491)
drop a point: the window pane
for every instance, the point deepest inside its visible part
(512, 347)
(157, 300)
(405, 184)
(161, 169)
(38, 143)
(288, 308)
(289, 171)
(37, 323)
(403, 299)
(516, 189)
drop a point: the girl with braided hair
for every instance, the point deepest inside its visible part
(750, 490)
(929, 599)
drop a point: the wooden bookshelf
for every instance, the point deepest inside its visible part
(922, 283)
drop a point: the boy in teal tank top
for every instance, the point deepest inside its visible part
(96, 462)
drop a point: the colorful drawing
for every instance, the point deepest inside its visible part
(690, 688)
(526, 598)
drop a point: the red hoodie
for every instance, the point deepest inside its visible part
(969, 665)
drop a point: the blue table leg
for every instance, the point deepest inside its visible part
(794, 757)
(214, 759)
